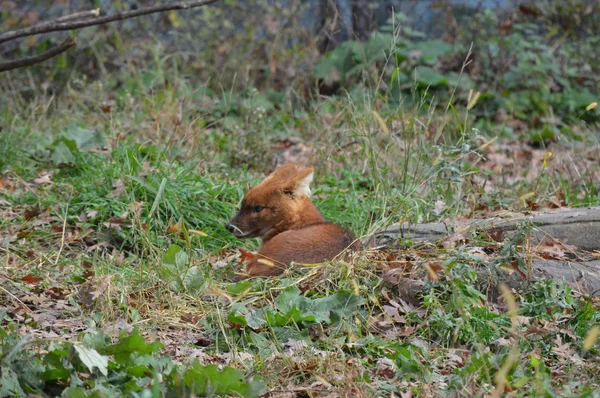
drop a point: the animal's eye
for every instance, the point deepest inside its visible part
(258, 209)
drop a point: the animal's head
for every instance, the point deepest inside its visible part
(275, 203)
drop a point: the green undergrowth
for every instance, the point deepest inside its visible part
(279, 335)
(121, 216)
(114, 192)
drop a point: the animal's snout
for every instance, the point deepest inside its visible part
(236, 231)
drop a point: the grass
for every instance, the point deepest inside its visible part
(125, 240)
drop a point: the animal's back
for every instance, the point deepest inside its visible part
(309, 245)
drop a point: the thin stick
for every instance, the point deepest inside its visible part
(36, 59)
(62, 239)
(55, 26)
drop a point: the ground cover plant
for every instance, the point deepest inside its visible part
(116, 183)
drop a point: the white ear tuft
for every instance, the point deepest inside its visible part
(303, 186)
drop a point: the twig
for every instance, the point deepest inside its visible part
(77, 15)
(36, 59)
(55, 26)
(62, 239)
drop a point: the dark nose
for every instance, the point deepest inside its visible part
(230, 227)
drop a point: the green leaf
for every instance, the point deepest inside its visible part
(288, 299)
(174, 258)
(133, 344)
(64, 152)
(431, 50)
(341, 305)
(56, 363)
(84, 139)
(92, 359)
(293, 315)
(9, 383)
(193, 279)
(394, 74)
(161, 190)
(376, 47)
(209, 380)
(239, 287)
(237, 314)
(427, 77)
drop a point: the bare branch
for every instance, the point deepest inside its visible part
(28, 61)
(55, 26)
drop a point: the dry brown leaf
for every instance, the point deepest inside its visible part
(118, 188)
(30, 279)
(44, 177)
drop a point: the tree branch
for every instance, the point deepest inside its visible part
(28, 61)
(57, 25)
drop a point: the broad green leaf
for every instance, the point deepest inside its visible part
(92, 359)
(278, 319)
(288, 298)
(172, 260)
(341, 305)
(64, 152)
(431, 50)
(84, 139)
(237, 314)
(56, 364)
(209, 380)
(9, 383)
(239, 287)
(128, 345)
(193, 279)
(428, 77)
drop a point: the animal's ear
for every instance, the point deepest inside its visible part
(301, 182)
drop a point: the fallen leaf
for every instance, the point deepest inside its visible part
(32, 212)
(45, 177)
(117, 222)
(118, 188)
(433, 271)
(246, 256)
(30, 279)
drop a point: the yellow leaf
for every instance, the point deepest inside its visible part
(174, 19)
(547, 156)
(356, 288)
(591, 106)
(528, 195)
(591, 338)
(197, 233)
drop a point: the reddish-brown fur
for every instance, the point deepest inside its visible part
(280, 212)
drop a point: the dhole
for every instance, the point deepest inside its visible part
(280, 212)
